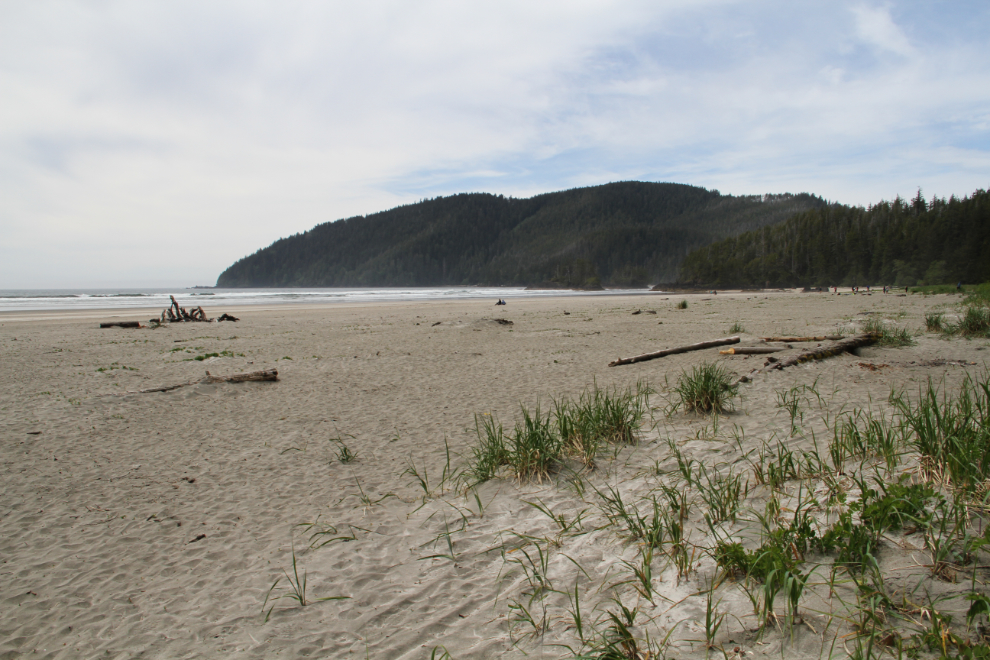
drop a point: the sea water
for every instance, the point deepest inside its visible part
(81, 299)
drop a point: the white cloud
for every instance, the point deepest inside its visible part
(874, 25)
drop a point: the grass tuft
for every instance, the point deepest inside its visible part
(344, 453)
(892, 337)
(296, 590)
(600, 417)
(707, 389)
(975, 322)
(935, 321)
(952, 434)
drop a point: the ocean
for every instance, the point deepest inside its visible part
(111, 299)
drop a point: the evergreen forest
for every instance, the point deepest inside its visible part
(618, 234)
(901, 243)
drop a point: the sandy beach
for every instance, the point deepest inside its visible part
(154, 525)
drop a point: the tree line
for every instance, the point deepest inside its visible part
(903, 243)
(622, 234)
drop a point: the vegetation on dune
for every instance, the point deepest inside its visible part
(805, 536)
(865, 530)
(902, 243)
(707, 389)
(973, 317)
(623, 234)
(539, 442)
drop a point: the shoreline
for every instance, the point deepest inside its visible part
(143, 314)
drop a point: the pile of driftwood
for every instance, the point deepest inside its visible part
(847, 345)
(175, 314)
(840, 345)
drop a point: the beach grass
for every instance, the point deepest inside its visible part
(935, 321)
(708, 388)
(886, 335)
(539, 442)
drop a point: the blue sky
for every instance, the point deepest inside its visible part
(153, 144)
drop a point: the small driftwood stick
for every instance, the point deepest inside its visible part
(250, 377)
(752, 350)
(121, 324)
(819, 353)
(674, 351)
(797, 339)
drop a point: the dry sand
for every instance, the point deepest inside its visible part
(153, 525)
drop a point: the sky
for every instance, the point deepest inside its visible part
(155, 143)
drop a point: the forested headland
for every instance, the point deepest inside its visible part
(902, 242)
(620, 234)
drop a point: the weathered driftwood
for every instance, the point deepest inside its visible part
(121, 324)
(173, 313)
(752, 350)
(818, 353)
(675, 351)
(249, 377)
(798, 339)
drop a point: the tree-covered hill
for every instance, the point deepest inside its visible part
(628, 233)
(900, 242)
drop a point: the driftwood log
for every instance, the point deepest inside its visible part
(249, 377)
(121, 324)
(674, 351)
(752, 350)
(798, 339)
(818, 353)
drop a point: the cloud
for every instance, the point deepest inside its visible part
(875, 26)
(165, 141)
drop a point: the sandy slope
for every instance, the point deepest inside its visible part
(106, 505)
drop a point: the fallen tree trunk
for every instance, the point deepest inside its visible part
(819, 353)
(675, 351)
(121, 324)
(752, 350)
(797, 339)
(249, 377)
